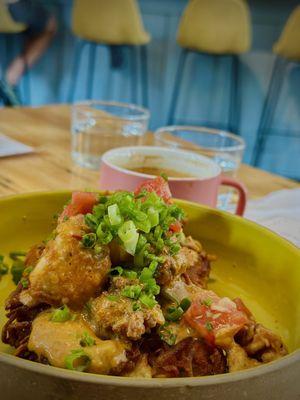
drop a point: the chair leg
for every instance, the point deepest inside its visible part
(75, 69)
(144, 75)
(91, 71)
(134, 74)
(177, 84)
(234, 105)
(26, 86)
(268, 110)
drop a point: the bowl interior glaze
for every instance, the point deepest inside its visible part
(253, 263)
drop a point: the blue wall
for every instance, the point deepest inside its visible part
(205, 92)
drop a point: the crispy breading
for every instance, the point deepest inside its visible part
(67, 273)
(112, 313)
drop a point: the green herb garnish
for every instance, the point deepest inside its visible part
(207, 302)
(16, 270)
(3, 266)
(167, 335)
(89, 240)
(78, 360)
(87, 340)
(15, 255)
(140, 223)
(112, 297)
(174, 313)
(148, 301)
(24, 282)
(185, 303)
(117, 271)
(136, 306)
(133, 291)
(208, 326)
(61, 314)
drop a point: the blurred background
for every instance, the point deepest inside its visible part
(70, 69)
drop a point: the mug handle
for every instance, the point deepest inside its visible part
(242, 191)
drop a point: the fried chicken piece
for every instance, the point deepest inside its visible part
(33, 255)
(189, 357)
(113, 314)
(260, 343)
(66, 272)
(191, 262)
(237, 358)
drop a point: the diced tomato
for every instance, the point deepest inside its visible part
(209, 314)
(175, 227)
(158, 185)
(81, 203)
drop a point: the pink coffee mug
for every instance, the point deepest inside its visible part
(201, 184)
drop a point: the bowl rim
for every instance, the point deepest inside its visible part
(120, 381)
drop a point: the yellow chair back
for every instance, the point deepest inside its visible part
(288, 45)
(7, 24)
(215, 26)
(110, 22)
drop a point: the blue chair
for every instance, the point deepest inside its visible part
(287, 51)
(214, 28)
(114, 23)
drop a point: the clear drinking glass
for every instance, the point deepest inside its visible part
(223, 147)
(98, 126)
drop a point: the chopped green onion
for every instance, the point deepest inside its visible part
(153, 257)
(167, 335)
(112, 297)
(174, 314)
(207, 302)
(185, 303)
(208, 326)
(80, 358)
(87, 340)
(144, 226)
(145, 275)
(174, 248)
(157, 232)
(136, 306)
(103, 234)
(16, 270)
(117, 271)
(61, 314)
(132, 291)
(114, 214)
(24, 282)
(89, 240)
(130, 274)
(14, 255)
(153, 266)
(3, 266)
(148, 301)
(129, 236)
(98, 249)
(164, 176)
(141, 243)
(153, 216)
(27, 271)
(91, 221)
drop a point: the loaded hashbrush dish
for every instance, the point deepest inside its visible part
(119, 289)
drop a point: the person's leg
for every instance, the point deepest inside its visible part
(41, 29)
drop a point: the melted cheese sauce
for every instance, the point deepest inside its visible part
(56, 340)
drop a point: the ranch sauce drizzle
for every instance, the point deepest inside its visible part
(56, 340)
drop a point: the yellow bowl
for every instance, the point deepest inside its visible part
(253, 263)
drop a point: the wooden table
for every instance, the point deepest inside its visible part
(50, 167)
